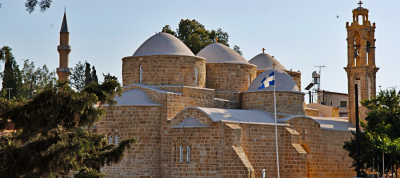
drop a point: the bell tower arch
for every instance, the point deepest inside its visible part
(361, 68)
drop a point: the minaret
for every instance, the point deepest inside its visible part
(63, 71)
(361, 69)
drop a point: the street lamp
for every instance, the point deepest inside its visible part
(9, 91)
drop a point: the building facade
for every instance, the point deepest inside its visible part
(205, 116)
(212, 114)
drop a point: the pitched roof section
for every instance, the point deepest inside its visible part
(163, 44)
(64, 26)
(190, 122)
(238, 115)
(134, 97)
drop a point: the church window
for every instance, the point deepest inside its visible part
(140, 74)
(195, 75)
(110, 140)
(181, 154)
(116, 139)
(188, 154)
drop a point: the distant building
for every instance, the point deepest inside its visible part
(334, 99)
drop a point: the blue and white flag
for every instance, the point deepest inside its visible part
(267, 81)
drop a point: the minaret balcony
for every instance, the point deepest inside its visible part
(64, 70)
(64, 47)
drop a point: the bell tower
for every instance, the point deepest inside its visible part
(64, 49)
(361, 68)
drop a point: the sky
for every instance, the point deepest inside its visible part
(301, 34)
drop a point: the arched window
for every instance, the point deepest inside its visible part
(140, 74)
(188, 154)
(110, 140)
(181, 154)
(116, 139)
(360, 20)
(196, 72)
(249, 80)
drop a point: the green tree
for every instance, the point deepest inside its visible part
(195, 36)
(381, 134)
(36, 79)
(77, 77)
(82, 75)
(237, 49)
(43, 4)
(12, 77)
(167, 29)
(49, 139)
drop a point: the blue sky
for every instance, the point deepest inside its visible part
(301, 34)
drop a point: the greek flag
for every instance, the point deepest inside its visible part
(267, 81)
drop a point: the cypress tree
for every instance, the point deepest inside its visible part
(11, 75)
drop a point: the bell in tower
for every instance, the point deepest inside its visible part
(361, 69)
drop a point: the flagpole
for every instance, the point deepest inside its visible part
(276, 125)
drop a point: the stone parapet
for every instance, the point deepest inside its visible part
(230, 76)
(286, 102)
(164, 70)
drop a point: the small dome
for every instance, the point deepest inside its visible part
(219, 53)
(163, 44)
(283, 82)
(134, 97)
(264, 61)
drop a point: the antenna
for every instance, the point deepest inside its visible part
(319, 82)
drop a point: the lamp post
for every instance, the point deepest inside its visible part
(357, 126)
(9, 91)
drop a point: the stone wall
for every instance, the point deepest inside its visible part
(325, 154)
(206, 149)
(230, 76)
(226, 104)
(142, 123)
(296, 77)
(286, 102)
(164, 70)
(229, 95)
(311, 112)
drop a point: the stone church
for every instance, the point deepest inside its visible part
(203, 115)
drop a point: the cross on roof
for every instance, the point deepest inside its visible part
(360, 3)
(263, 50)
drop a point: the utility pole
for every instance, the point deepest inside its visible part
(319, 82)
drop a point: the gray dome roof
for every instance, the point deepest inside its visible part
(219, 53)
(134, 97)
(283, 82)
(163, 44)
(264, 61)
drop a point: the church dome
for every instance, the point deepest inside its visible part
(163, 44)
(283, 82)
(264, 61)
(219, 53)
